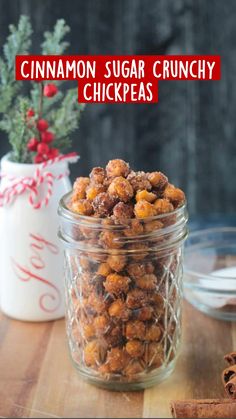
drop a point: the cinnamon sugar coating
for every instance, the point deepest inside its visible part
(82, 207)
(111, 191)
(117, 359)
(79, 188)
(97, 175)
(122, 313)
(158, 180)
(117, 284)
(144, 209)
(117, 167)
(139, 181)
(123, 212)
(121, 189)
(103, 204)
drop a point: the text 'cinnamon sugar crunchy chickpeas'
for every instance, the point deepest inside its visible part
(121, 303)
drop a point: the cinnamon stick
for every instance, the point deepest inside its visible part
(230, 388)
(229, 375)
(208, 408)
(231, 358)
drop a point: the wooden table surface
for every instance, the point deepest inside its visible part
(37, 378)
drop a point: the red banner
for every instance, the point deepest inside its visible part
(117, 79)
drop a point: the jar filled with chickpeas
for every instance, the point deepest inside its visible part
(123, 233)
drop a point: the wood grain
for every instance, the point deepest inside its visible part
(37, 378)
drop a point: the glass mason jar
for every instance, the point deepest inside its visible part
(124, 296)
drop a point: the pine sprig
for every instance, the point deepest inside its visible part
(19, 133)
(62, 111)
(18, 42)
(53, 41)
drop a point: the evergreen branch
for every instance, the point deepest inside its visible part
(53, 41)
(18, 42)
(62, 110)
(19, 133)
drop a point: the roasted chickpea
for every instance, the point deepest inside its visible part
(101, 324)
(123, 212)
(117, 359)
(137, 298)
(144, 313)
(103, 204)
(158, 180)
(117, 262)
(97, 303)
(88, 331)
(114, 336)
(175, 195)
(110, 240)
(117, 284)
(117, 167)
(79, 188)
(93, 190)
(121, 189)
(119, 310)
(136, 270)
(134, 367)
(135, 348)
(140, 250)
(104, 370)
(104, 269)
(144, 209)
(154, 355)
(149, 268)
(158, 302)
(134, 228)
(145, 195)
(153, 333)
(163, 206)
(97, 175)
(139, 181)
(82, 207)
(94, 354)
(96, 281)
(107, 222)
(153, 226)
(147, 282)
(135, 330)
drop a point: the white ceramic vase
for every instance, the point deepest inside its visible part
(31, 257)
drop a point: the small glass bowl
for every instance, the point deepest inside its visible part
(210, 271)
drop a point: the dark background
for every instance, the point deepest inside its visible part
(190, 133)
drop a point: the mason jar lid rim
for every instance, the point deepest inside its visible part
(164, 246)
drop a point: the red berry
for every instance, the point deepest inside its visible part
(42, 125)
(30, 113)
(38, 159)
(47, 137)
(42, 148)
(32, 144)
(53, 152)
(50, 90)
